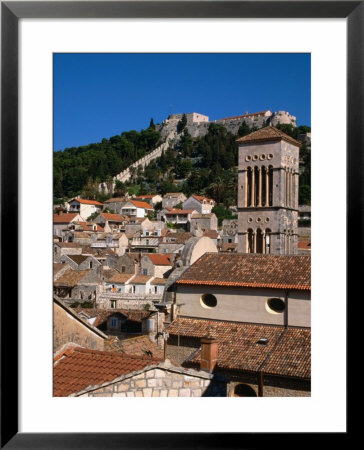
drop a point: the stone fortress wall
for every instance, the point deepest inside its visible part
(197, 125)
(125, 175)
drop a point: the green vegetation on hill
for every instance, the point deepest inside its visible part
(78, 169)
(205, 165)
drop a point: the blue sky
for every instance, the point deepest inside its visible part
(100, 95)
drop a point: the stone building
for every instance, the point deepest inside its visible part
(80, 372)
(62, 221)
(68, 327)
(201, 204)
(261, 289)
(84, 207)
(171, 199)
(81, 262)
(204, 221)
(156, 264)
(268, 192)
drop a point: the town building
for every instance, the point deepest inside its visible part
(171, 199)
(250, 288)
(201, 204)
(80, 372)
(84, 207)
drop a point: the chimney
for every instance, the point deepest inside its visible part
(209, 350)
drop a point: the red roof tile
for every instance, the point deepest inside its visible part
(141, 204)
(250, 270)
(287, 352)
(85, 201)
(79, 368)
(160, 259)
(137, 346)
(64, 218)
(112, 217)
(201, 198)
(71, 278)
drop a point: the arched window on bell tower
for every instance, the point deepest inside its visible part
(259, 241)
(250, 241)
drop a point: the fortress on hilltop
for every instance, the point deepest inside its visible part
(197, 125)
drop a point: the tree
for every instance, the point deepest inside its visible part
(119, 189)
(243, 130)
(151, 124)
(182, 124)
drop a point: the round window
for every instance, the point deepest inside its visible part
(275, 305)
(208, 301)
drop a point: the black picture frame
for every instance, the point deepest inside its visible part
(11, 12)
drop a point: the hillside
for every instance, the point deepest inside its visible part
(206, 164)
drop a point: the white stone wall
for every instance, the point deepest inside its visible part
(245, 305)
(160, 382)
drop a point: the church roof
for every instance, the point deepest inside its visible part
(250, 270)
(267, 134)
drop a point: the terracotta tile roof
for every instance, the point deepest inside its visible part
(85, 201)
(141, 197)
(250, 270)
(211, 234)
(201, 198)
(260, 113)
(141, 279)
(137, 346)
(179, 211)
(79, 368)
(57, 267)
(71, 278)
(178, 238)
(267, 134)
(120, 277)
(64, 218)
(159, 281)
(112, 217)
(292, 356)
(286, 353)
(160, 259)
(78, 259)
(141, 204)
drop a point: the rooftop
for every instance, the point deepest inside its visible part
(267, 134)
(85, 201)
(64, 218)
(250, 270)
(78, 368)
(71, 278)
(287, 351)
(160, 259)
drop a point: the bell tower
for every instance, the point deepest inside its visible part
(268, 192)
